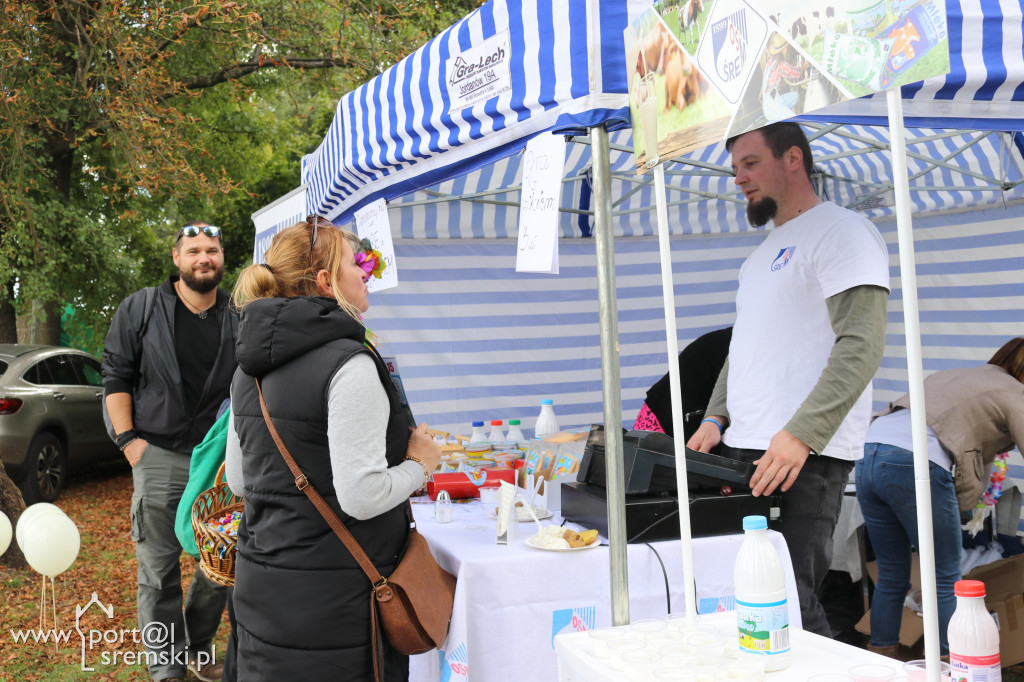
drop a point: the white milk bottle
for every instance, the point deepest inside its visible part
(762, 612)
(478, 433)
(497, 437)
(973, 636)
(547, 423)
(515, 433)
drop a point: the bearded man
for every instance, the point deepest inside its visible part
(794, 397)
(168, 361)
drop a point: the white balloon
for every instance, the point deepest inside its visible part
(32, 512)
(5, 533)
(50, 544)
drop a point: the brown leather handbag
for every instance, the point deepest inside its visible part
(414, 603)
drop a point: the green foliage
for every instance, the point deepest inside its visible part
(121, 121)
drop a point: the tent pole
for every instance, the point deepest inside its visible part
(915, 376)
(608, 317)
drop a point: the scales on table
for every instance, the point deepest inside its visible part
(719, 495)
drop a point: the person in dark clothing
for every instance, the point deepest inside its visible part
(168, 360)
(699, 365)
(301, 601)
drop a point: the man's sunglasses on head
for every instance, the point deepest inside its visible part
(211, 231)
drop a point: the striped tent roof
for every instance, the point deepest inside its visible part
(456, 175)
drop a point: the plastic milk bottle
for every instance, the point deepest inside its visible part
(547, 423)
(762, 613)
(973, 636)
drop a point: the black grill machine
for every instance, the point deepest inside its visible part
(719, 495)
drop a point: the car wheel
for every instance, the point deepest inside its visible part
(45, 470)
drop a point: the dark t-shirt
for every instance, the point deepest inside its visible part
(196, 342)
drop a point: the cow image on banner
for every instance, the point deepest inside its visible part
(372, 223)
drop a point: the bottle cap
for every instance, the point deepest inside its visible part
(513, 422)
(475, 424)
(754, 523)
(547, 401)
(495, 422)
(969, 588)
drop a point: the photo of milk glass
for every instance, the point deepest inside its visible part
(872, 672)
(599, 640)
(647, 100)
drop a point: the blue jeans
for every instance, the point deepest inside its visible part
(885, 490)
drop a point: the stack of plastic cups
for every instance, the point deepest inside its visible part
(672, 649)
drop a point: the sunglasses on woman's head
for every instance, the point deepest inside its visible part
(314, 221)
(211, 231)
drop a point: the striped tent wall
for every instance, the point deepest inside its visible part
(476, 340)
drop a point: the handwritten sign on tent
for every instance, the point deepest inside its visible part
(704, 70)
(372, 223)
(537, 248)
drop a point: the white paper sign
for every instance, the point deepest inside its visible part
(479, 73)
(372, 223)
(537, 250)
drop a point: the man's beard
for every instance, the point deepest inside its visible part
(202, 286)
(760, 212)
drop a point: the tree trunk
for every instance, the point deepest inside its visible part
(8, 318)
(42, 325)
(11, 504)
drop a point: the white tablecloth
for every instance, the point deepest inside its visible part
(811, 655)
(512, 600)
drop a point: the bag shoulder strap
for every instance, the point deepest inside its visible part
(303, 484)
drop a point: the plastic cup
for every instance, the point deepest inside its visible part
(644, 627)
(599, 640)
(872, 672)
(618, 647)
(677, 661)
(679, 647)
(917, 671)
(683, 623)
(673, 673)
(743, 669)
(830, 677)
(640, 665)
(658, 639)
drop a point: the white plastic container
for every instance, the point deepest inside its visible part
(973, 636)
(496, 437)
(479, 435)
(515, 433)
(547, 423)
(762, 610)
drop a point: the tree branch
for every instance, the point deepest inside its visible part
(236, 71)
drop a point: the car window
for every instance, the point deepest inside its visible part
(62, 372)
(3, 367)
(37, 374)
(88, 369)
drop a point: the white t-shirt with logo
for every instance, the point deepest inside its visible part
(783, 335)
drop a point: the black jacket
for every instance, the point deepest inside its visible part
(148, 363)
(302, 603)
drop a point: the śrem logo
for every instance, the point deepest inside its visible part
(729, 40)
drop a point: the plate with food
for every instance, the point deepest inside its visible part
(558, 539)
(523, 514)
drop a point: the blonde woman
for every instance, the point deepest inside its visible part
(301, 601)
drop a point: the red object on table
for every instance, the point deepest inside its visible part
(462, 485)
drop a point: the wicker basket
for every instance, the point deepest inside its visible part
(219, 563)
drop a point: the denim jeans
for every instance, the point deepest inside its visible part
(809, 511)
(885, 490)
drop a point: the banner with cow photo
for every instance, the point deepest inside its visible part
(705, 70)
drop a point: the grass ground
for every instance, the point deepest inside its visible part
(98, 501)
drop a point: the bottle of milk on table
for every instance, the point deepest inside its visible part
(762, 612)
(973, 636)
(547, 423)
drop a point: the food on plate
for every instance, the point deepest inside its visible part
(550, 537)
(587, 537)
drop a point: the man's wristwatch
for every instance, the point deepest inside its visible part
(124, 438)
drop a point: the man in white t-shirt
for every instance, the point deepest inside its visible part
(795, 394)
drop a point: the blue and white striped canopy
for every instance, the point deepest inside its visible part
(395, 138)
(399, 131)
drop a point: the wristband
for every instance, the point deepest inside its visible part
(713, 421)
(122, 439)
(426, 471)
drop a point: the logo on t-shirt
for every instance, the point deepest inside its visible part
(785, 255)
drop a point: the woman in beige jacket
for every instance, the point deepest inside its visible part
(973, 414)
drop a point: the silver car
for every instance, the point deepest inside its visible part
(50, 416)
